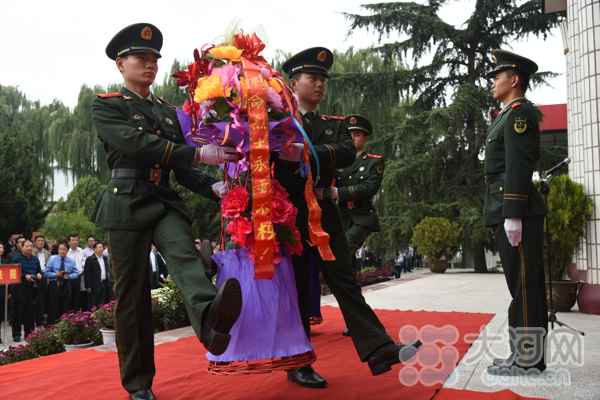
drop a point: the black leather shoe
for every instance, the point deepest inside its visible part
(382, 359)
(220, 317)
(307, 377)
(514, 369)
(346, 332)
(145, 394)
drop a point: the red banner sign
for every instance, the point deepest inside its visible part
(10, 274)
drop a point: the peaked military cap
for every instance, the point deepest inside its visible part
(505, 60)
(135, 38)
(316, 60)
(359, 123)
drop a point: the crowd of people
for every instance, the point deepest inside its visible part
(59, 276)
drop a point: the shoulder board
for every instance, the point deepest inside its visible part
(163, 101)
(371, 155)
(333, 117)
(109, 95)
(514, 106)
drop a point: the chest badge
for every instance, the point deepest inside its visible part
(329, 132)
(361, 169)
(520, 125)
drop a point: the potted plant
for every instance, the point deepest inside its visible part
(569, 209)
(45, 341)
(105, 320)
(16, 353)
(77, 330)
(437, 239)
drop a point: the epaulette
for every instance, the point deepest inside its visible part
(514, 106)
(371, 155)
(333, 117)
(109, 95)
(163, 101)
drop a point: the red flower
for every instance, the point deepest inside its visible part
(239, 229)
(250, 44)
(235, 202)
(283, 211)
(295, 248)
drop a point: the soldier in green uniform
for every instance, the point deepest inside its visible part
(308, 71)
(356, 186)
(515, 210)
(144, 144)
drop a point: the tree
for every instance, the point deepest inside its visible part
(59, 225)
(83, 197)
(436, 167)
(26, 178)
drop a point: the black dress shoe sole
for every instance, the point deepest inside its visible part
(225, 311)
(405, 353)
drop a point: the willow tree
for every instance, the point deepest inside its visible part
(26, 177)
(436, 168)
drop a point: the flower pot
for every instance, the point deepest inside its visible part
(438, 266)
(564, 294)
(108, 336)
(73, 347)
(589, 299)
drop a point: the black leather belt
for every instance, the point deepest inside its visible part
(129, 173)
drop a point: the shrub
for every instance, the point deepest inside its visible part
(16, 353)
(105, 315)
(170, 307)
(569, 209)
(44, 341)
(77, 328)
(436, 238)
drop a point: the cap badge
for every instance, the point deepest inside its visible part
(353, 120)
(146, 33)
(322, 56)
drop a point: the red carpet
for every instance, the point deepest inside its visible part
(181, 369)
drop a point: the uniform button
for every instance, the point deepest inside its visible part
(158, 132)
(115, 190)
(500, 188)
(361, 177)
(350, 177)
(140, 128)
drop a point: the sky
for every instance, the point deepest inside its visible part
(50, 49)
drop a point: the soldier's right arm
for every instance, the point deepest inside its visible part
(119, 131)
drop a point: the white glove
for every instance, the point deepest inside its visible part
(220, 188)
(514, 230)
(292, 152)
(213, 154)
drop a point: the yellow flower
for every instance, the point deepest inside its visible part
(276, 84)
(230, 53)
(210, 87)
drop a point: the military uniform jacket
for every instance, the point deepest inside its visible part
(357, 184)
(511, 153)
(141, 134)
(334, 148)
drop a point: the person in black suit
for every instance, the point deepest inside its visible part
(158, 268)
(97, 277)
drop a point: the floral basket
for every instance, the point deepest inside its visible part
(236, 98)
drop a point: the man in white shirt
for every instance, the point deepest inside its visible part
(75, 253)
(41, 302)
(98, 281)
(89, 249)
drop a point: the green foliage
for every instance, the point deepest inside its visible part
(427, 98)
(26, 178)
(77, 328)
(62, 223)
(169, 307)
(45, 341)
(569, 209)
(436, 238)
(16, 353)
(105, 315)
(83, 197)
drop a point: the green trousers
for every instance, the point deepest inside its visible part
(524, 272)
(130, 266)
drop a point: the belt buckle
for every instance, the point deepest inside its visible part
(155, 175)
